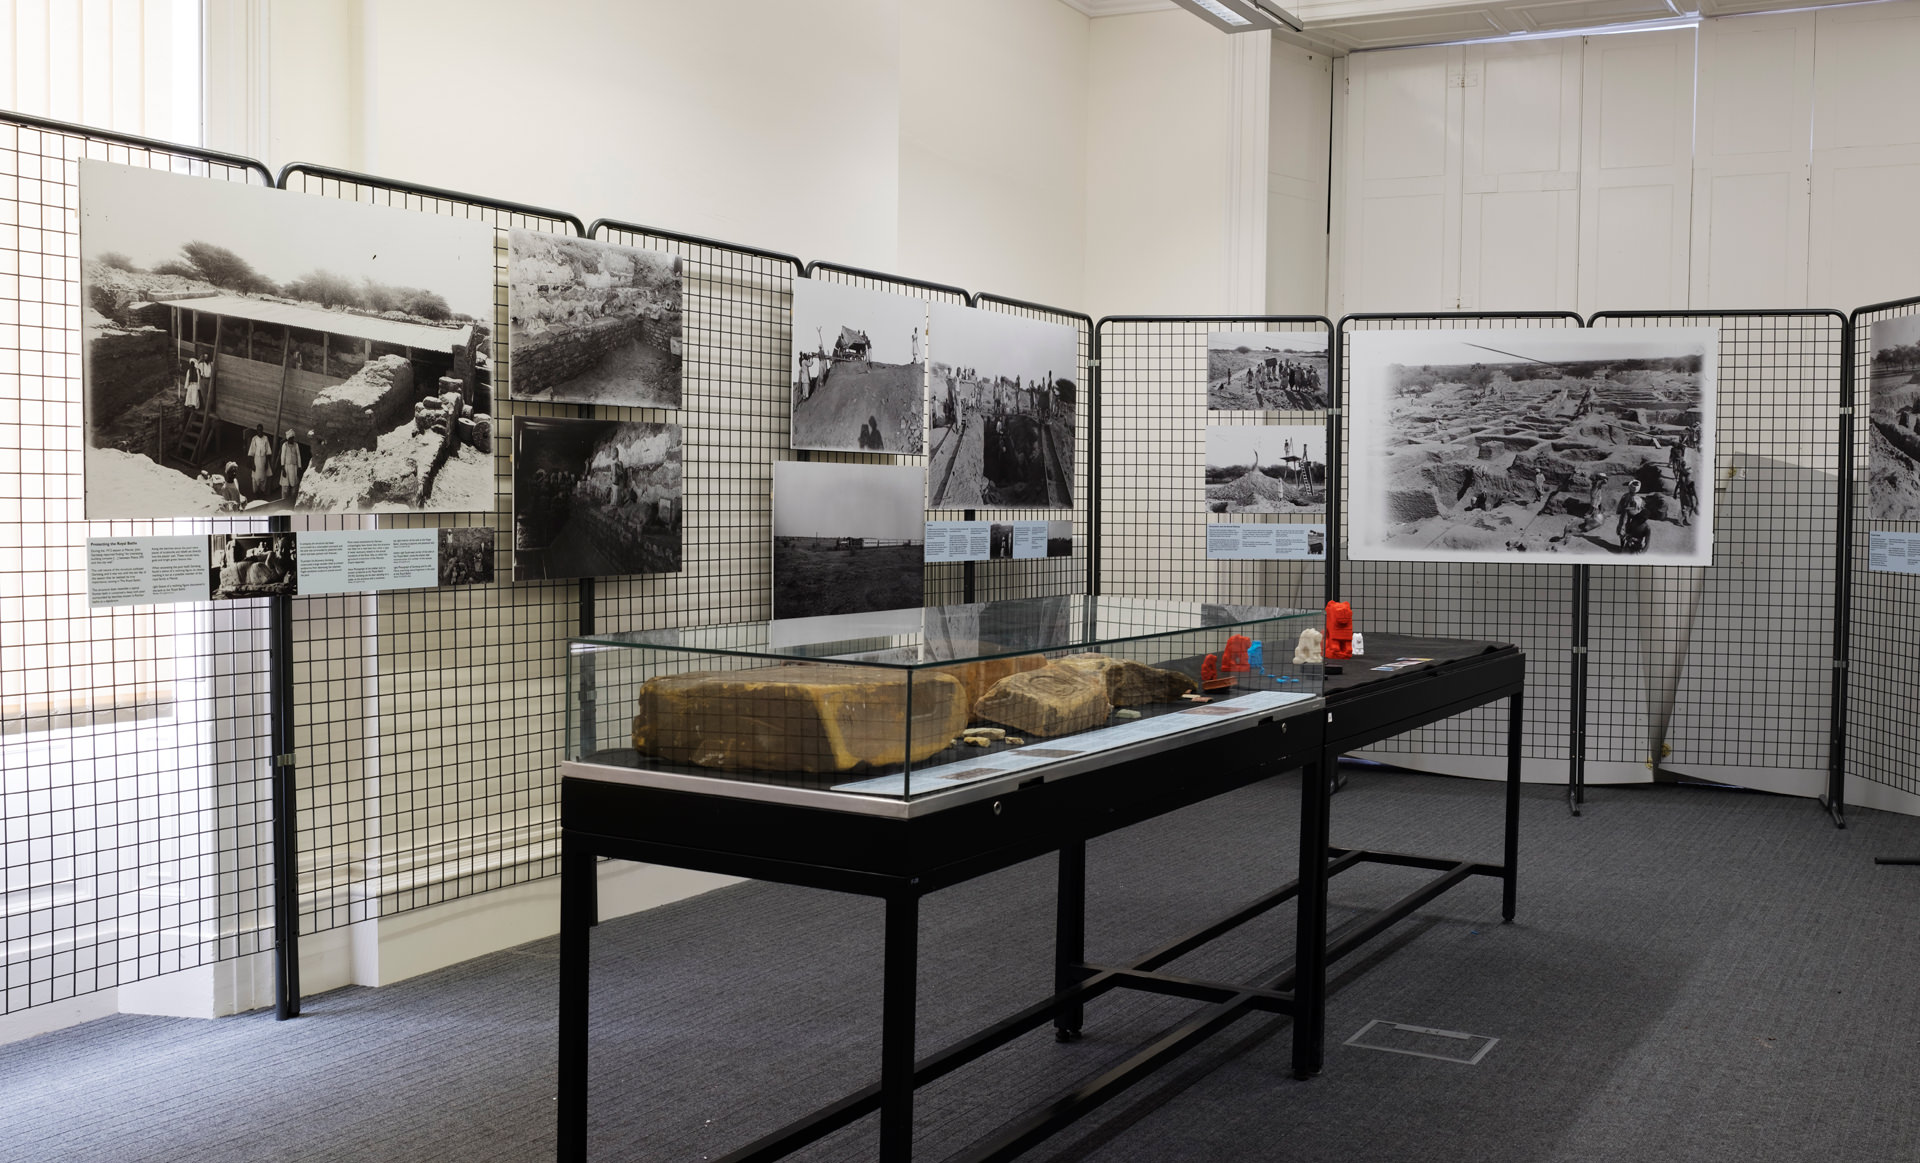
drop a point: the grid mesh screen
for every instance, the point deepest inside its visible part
(1883, 683)
(1153, 452)
(429, 722)
(1530, 606)
(1717, 673)
(134, 782)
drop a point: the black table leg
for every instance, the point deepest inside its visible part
(577, 896)
(1510, 880)
(1070, 936)
(902, 956)
(1310, 926)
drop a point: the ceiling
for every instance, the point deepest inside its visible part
(1341, 26)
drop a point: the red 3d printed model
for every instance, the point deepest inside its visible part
(1339, 640)
(1233, 660)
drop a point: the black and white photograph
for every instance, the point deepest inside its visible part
(859, 369)
(595, 498)
(1060, 539)
(1266, 371)
(592, 322)
(847, 538)
(1893, 458)
(253, 565)
(1267, 468)
(1001, 410)
(1547, 444)
(260, 351)
(466, 556)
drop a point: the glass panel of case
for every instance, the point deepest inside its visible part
(907, 703)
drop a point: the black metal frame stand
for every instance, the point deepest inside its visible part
(900, 861)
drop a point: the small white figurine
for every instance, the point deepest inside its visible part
(1308, 649)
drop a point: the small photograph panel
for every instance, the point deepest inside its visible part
(592, 322)
(466, 556)
(859, 369)
(847, 538)
(1893, 456)
(595, 498)
(1267, 468)
(1260, 371)
(253, 565)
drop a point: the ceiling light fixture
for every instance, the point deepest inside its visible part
(1241, 15)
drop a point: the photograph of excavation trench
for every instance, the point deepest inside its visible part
(1001, 418)
(1504, 445)
(592, 322)
(1893, 461)
(1253, 371)
(258, 351)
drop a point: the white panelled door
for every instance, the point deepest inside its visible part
(1520, 234)
(1636, 172)
(1403, 180)
(1864, 237)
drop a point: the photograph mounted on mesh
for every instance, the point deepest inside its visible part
(1251, 371)
(335, 354)
(859, 369)
(1266, 468)
(595, 498)
(253, 565)
(1495, 445)
(1001, 417)
(592, 322)
(1893, 456)
(847, 538)
(466, 556)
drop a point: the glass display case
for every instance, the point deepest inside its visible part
(902, 705)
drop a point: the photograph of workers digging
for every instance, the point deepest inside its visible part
(1893, 462)
(859, 370)
(1506, 444)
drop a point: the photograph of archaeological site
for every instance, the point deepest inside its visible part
(254, 350)
(1255, 371)
(1505, 445)
(1267, 468)
(1893, 458)
(592, 322)
(859, 369)
(595, 498)
(1001, 413)
(847, 538)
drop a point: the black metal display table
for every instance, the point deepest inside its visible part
(900, 858)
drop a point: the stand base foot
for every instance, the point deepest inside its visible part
(1065, 1035)
(1836, 812)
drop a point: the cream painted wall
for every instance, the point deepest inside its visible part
(993, 146)
(1300, 103)
(1157, 166)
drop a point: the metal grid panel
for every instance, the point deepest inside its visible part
(134, 783)
(1883, 669)
(733, 425)
(430, 722)
(1727, 672)
(1530, 606)
(1153, 508)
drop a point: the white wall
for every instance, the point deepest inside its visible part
(1299, 113)
(1158, 157)
(993, 146)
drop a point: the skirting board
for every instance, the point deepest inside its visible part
(378, 952)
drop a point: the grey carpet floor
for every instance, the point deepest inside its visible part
(1695, 975)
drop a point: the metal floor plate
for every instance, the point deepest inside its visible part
(1423, 1042)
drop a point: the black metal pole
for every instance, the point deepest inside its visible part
(1335, 362)
(1310, 919)
(1835, 801)
(1095, 380)
(283, 793)
(1510, 878)
(576, 933)
(1577, 695)
(1070, 936)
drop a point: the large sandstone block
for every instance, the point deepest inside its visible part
(1131, 683)
(1058, 700)
(355, 412)
(797, 718)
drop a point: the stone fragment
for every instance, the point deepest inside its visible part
(980, 676)
(1131, 683)
(1127, 713)
(823, 718)
(1057, 700)
(993, 733)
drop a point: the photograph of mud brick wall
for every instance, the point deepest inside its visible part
(1481, 447)
(1154, 417)
(218, 313)
(592, 322)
